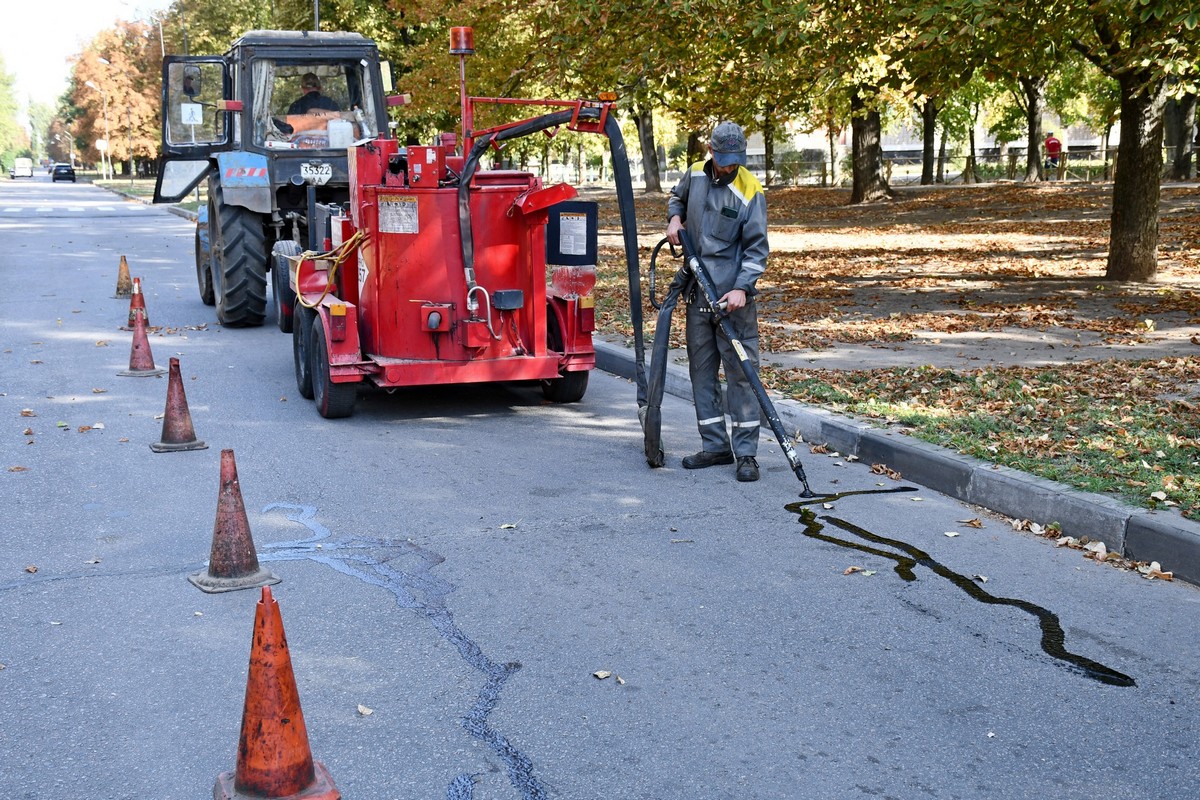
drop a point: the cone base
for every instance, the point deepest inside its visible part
(126, 296)
(178, 447)
(213, 584)
(321, 788)
(142, 373)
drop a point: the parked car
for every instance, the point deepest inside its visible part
(63, 172)
(22, 168)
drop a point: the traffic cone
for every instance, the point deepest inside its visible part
(177, 431)
(274, 759)
(124, 286)
(141, 360)
(137, 301)
(232, 563)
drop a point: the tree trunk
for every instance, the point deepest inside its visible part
(929, 112)
(835, 166)
(1180, 137)
(1034, 87)
(695, 148)
(941, 159)
(769, 143)
(644, 119)
(1133, 241)
(867, 153)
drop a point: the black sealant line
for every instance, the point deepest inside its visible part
(422, 591)
(1053, 637)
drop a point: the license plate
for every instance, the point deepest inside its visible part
(317, 174)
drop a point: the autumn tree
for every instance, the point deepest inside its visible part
(1140, 46)
(13, 139)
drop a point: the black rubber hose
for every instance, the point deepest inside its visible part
(651, 413)
(616, 147)
(693, 262)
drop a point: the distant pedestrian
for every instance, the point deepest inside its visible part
(1053, 151)
(723, 207)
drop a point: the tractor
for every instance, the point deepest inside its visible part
(246, 122)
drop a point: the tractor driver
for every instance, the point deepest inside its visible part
(724, 210)
(311, 98)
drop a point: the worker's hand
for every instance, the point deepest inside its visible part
(673, 229)
(733, 299)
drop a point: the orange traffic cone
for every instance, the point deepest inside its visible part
(232, 563)
(124, 286)
(141, 360)
(137, 301)
(177, 431)
(274, 760)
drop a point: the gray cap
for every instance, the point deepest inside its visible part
(728, 144)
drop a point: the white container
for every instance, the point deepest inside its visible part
(341, 133)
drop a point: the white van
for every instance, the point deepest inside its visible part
(22, 168)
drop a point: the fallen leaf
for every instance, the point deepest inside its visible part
(683, 541)
(364, 711)
(84, 428)
(61, 424)
(99, 391)
(973, 523)
(27, 412)
(868, 572)
(980, 578)
(102, 343)
(28, 432)
(951, 534)
(508, 526)
(601, 674)
(18, 468)
(620, 680)
(31, 569)
(827, 505)
(92, 561)
(1159, 495)
(98, 426)
(852, 570)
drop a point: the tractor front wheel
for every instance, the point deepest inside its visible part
(334, 400)
(239, 246)
(204, 276)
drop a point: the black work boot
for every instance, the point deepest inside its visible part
(747, 469)
(706, 459)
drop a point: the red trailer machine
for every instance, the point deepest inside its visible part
(438, 273)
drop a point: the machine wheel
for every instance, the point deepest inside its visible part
(334, 400)
(568, 387)
(204, 278)
(281, 288)
(302, 319)
(239, 246)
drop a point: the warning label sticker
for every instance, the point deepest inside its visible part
(398, 214)
(572, 234)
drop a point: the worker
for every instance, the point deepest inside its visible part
(723, 207)
(311, 98)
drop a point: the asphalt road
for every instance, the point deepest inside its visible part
(461, 561)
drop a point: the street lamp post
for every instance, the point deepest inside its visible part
(105, 158)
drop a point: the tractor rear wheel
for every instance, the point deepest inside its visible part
(204, 277)
(568, 387)
(239, 246)
(301, 331)
(281, 287)
(334, 400)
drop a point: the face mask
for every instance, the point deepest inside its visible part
(718, 180)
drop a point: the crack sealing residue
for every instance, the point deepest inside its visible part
(421, 591)
(1053, 638)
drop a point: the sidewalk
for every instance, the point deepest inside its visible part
(1135, 533)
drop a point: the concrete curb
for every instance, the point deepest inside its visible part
(1162, 536)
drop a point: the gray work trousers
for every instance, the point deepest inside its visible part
(707, 349)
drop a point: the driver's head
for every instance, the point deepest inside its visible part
(309, 82)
